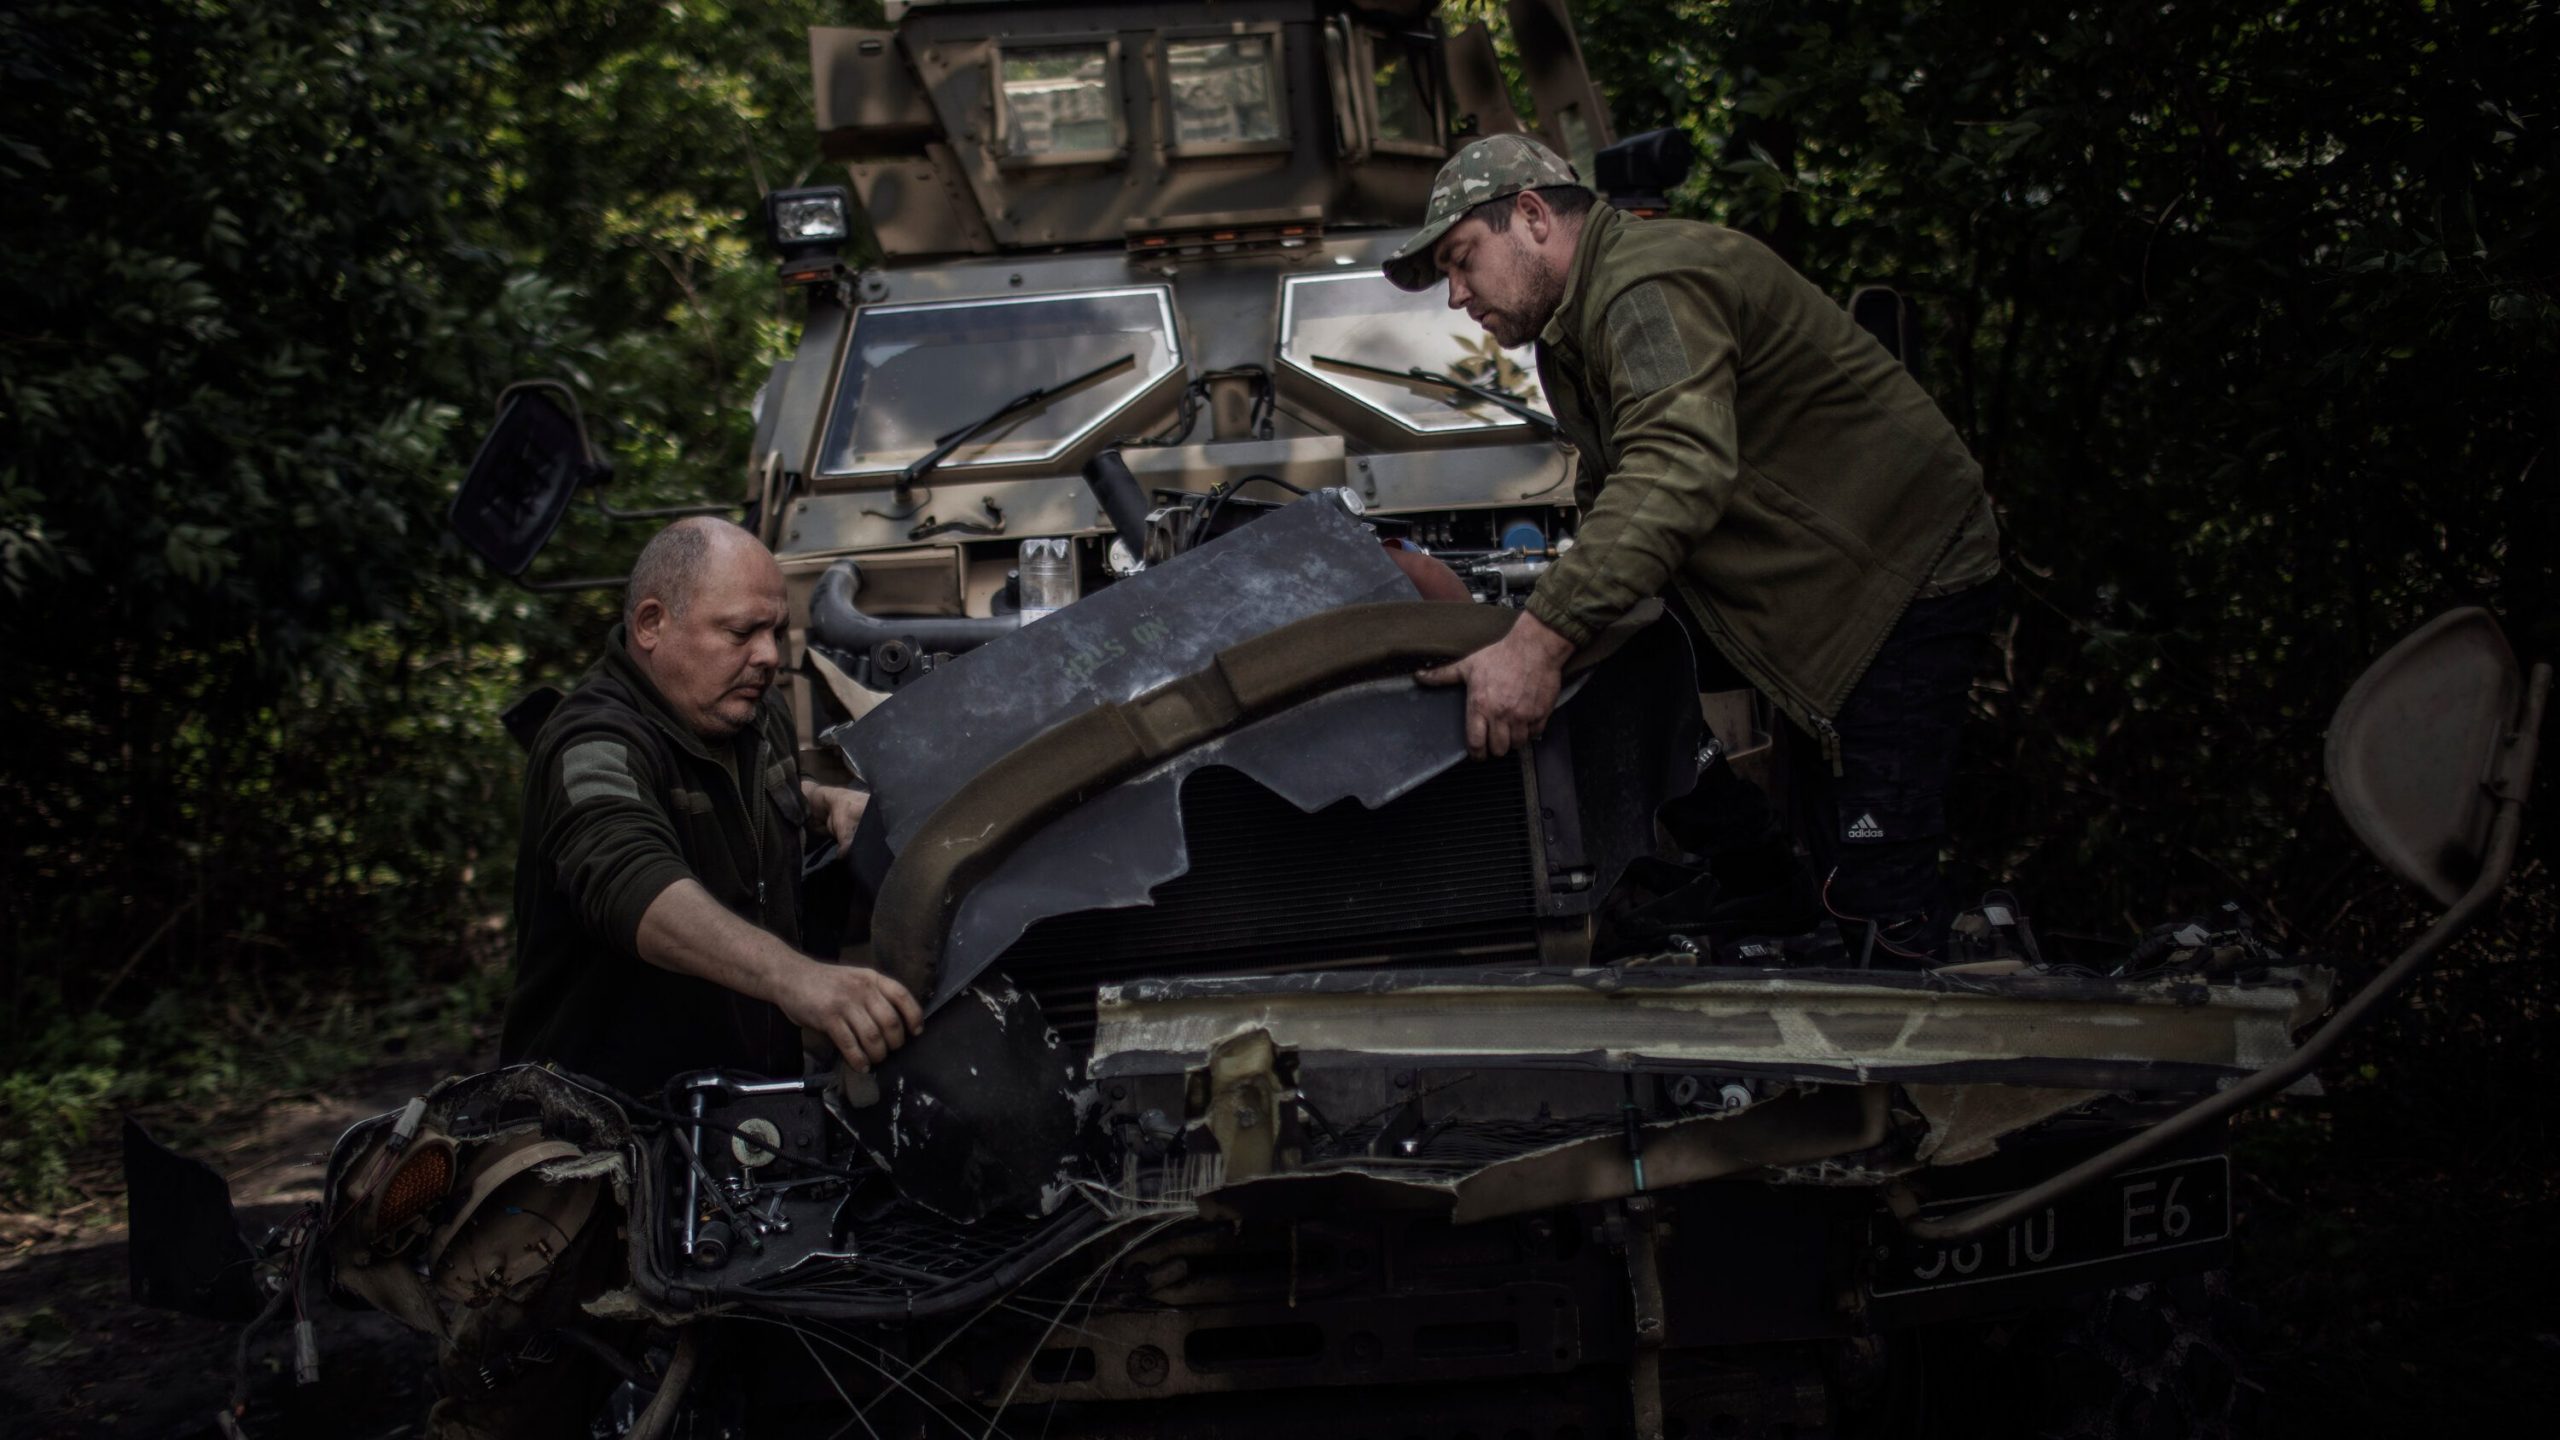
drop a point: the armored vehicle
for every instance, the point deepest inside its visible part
(1149, 232)
(1287, 1070)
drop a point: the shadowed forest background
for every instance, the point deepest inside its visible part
(2248, 310)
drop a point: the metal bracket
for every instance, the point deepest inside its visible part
(1644, 1286)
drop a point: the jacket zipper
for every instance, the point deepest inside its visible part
(754, 811)
(755, 817)
(755, 826)
(755, 843)
(1830, 743)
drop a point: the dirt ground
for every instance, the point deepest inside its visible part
(78, 1358)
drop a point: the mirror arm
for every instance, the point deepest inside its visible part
(549, 587)
(2511, 778)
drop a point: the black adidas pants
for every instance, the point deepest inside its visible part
(1873, 830)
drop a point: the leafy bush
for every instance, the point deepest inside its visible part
(52, 1102)
(264, 264)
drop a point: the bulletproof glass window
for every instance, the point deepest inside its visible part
(1404, 93)
(1577, 140)
(914, 373)
(1225, 90)
(1059, 101)
(1357, 315)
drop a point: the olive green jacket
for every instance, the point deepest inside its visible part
(1745, 444)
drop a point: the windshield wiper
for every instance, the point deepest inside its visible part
(943, 445)
(1538, 419)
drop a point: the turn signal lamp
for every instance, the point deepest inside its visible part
(423, 1179)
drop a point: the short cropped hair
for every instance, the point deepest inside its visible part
(1570, 202)
(669, 568)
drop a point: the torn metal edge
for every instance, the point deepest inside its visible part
(1803, 1126)
(2175, 1033)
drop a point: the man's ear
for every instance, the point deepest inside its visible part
(648, 619)
(1534, 213)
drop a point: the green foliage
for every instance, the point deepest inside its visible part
(237, 322)
(205, 1057)
(2249, 311)
(264, 264)
(53, 1102)
(2249, 314)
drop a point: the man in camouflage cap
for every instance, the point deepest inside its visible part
(1488, 170)
(1745, 447)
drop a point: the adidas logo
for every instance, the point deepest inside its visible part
(1866, 828)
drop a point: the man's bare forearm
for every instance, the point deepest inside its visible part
(866, 1014)
(687, 931)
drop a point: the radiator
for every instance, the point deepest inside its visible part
(1444, 874)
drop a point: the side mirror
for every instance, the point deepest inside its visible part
(2420, 751)
(533, 463)
(1639, 173)
(1891, 317)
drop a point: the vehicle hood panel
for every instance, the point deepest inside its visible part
(924, 743)
(1114, 850)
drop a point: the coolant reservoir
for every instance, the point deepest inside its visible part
(1048, 569)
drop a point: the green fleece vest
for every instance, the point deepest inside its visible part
(621, 800)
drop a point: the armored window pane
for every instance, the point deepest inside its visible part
(1225, 90)
(1577, 142)
(1358, 316)
(1403, 109)
(913, 373)
(1057, 100)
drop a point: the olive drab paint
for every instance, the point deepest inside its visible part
(1214, 194)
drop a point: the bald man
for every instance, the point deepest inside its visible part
(657, 876)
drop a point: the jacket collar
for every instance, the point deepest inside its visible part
(1599, 228)
(617, 663)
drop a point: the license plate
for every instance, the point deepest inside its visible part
(2141, 1212)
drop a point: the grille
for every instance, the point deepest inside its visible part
(1442, 875)
(1459, 1145)
(912, 1253)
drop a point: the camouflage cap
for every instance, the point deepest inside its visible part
(1488, 169)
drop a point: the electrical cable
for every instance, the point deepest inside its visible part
(911, 512)
(1199, 532)
(240, 1353)
(1875, 931)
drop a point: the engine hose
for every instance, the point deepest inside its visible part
(835, 621)
(659, 1419)
(1107, 475)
